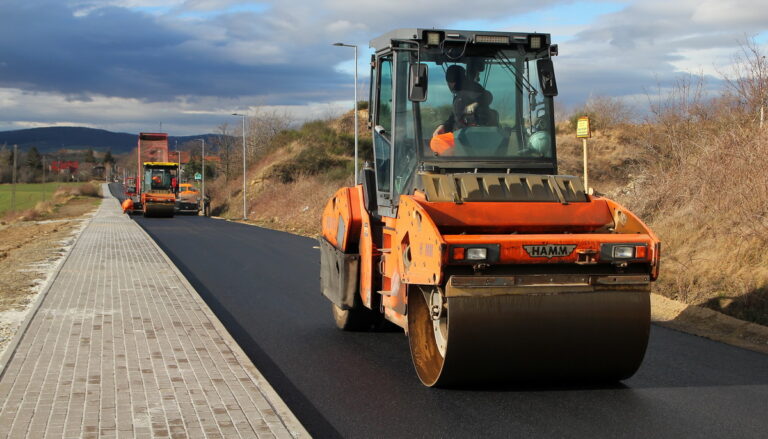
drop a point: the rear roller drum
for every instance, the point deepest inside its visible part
(357, 318)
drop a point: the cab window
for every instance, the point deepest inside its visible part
(381, 139)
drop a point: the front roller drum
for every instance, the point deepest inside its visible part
(584, 337)
(159, 210)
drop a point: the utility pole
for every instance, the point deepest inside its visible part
(245, 209)
(13, 186)
(178, 160)
(202, 141)
(43, 177)
(203, 157)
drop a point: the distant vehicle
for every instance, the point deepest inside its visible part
(188, 200)
(130, 187)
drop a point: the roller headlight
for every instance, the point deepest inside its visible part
(477, 254)
(623, 252)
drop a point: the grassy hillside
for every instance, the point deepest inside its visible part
(295, 176)
(694, 171)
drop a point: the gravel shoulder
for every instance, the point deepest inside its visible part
(29, 253)
(708, 323)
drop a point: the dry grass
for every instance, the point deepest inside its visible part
(694, 170)
(289, 186)
(294, 207)
(698, 178)
(612, 157)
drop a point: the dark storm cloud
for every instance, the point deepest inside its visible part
(111, 51)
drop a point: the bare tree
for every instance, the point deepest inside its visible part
(223, 144)
(263, 126)
(748, 78)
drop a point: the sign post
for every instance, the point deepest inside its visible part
(198, 176)
(583, 132)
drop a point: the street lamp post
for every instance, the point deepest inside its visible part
(245, 211)
(178, 160)
(203, 156)
(355, 47)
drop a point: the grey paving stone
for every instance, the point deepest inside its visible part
(123, 346)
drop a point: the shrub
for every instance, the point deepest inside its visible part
(89, 190)
(604, 112)
(311, 161)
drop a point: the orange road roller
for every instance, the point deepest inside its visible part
(497, 267)
(157, 195)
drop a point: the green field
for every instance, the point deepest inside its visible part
(27, 195)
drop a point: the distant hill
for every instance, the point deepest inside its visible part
(52, 139)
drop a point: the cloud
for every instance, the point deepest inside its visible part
(650, 44)
(183, 116)
(115, 51)
(120, 48)
(82, 56)
(726, 13)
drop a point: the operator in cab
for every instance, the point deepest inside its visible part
(471, 107)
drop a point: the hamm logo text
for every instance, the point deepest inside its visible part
(549, 250)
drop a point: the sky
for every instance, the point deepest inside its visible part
(184, 66)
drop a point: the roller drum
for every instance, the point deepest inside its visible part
(580, 336)
(159, 210)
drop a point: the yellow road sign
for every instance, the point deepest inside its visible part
(582, 128)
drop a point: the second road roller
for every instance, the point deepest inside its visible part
(156, 178)
(463, 233)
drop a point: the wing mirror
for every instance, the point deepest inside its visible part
(417, 82)
(547, 77)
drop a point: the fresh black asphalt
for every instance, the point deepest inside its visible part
(263, 285)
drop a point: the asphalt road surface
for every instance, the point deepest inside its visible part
(263, 285)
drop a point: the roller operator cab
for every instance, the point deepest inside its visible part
(462, 232)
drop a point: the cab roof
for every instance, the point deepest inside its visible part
(161, 164)
(448, 35)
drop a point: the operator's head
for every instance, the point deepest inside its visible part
(455, 76)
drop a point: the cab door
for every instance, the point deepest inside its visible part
(382, 132)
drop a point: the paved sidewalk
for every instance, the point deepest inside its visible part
(122, 345)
